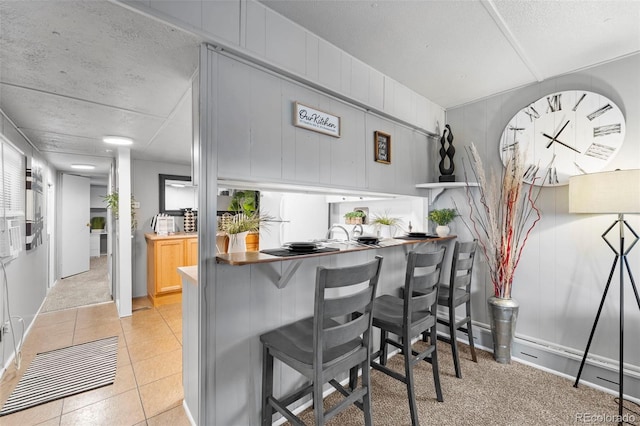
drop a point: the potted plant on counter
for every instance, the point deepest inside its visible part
(356, 217)
(240, 226)
(442, 218)
(385, 224)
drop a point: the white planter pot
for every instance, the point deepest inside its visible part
(386, 231)
(442, 230)
(238, 242)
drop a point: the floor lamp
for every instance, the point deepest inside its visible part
(618, 193)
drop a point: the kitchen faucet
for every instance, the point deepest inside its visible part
(354, 230)
(339, 227)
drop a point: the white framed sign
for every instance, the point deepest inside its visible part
(316, 120)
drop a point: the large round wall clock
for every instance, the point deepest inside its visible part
(564, 134)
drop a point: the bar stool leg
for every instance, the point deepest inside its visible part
(318, 406)
(408, 374)
(267, 386)
(383, 347)
(470, 333)
(434, 366)
(454, 340)
(366, 400)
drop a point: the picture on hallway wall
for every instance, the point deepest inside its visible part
(35, 205)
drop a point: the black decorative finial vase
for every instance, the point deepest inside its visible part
(446, 156)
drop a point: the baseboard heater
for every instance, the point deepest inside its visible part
(599, 372)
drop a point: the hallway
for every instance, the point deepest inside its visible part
(148, 385)
(87, 288)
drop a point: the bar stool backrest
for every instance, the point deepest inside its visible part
(422, 279)
(462, 266)
(352, 310)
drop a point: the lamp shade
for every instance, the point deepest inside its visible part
(607, 192)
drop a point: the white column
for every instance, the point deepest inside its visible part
(124, 252)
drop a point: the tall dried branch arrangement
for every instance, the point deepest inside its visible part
(503, 215)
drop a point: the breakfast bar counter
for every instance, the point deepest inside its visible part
(254, 257)
(255, 292)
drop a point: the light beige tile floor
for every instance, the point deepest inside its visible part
(148, 385)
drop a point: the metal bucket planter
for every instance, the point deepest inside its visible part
(503, 314)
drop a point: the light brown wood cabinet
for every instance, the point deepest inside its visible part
(165, 254)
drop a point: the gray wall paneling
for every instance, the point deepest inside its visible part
(145, 189)
(27, 274)
(565, 264)
(249, 29)
(258, 141)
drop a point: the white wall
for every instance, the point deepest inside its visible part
(145, 184)
(565, 264)
(27, 274)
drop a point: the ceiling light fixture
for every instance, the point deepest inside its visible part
(117, 140)
(83, 166)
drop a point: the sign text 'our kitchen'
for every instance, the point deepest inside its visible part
(316, 120)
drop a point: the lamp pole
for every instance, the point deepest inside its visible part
(621, 255)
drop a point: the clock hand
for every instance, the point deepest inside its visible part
(570, 147)
(550, 137)
(560, 142)
(557, 134)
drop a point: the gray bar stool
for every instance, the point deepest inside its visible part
(334, 341)
(407, 318)
(456, 293)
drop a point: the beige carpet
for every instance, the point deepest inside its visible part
(87, 288)
(487, 394)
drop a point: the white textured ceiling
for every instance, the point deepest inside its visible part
(454, 52)
(72, 72)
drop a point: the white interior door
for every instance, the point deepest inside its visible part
(75, 225)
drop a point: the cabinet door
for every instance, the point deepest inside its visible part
(170, 256)
(192, 251)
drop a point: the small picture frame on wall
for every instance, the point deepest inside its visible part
(382, 147)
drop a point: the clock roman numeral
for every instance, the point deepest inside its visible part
(509, 146)
(575, 107)
(532, 113)
(600, 151)
(553, 103)
(597, 113)
(553, 176)
(606, 130)
(531, 172)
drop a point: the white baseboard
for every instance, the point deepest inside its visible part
(192, 422)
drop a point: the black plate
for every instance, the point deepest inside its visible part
(417, 234)
(301, 246)
(368, 240)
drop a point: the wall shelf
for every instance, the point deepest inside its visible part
(437, 188)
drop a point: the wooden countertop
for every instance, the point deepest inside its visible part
(153, 236)
(253, 257)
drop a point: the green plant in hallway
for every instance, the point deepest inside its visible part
(97, 222)
(113, 202)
